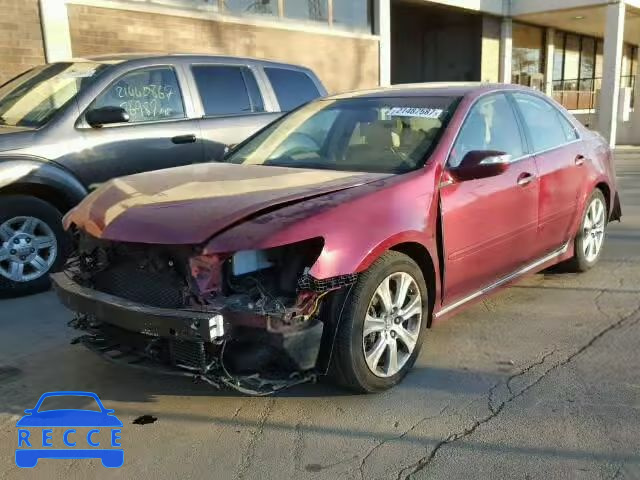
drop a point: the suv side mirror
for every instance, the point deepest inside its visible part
(106, 115)
(481, 164)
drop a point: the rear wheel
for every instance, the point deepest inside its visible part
(589, 241)
(32, 243)
(382, 325)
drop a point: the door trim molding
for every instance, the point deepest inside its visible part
(556, 253)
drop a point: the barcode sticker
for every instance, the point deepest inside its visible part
(415, 112)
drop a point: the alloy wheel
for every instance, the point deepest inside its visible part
(392, 324)
(593, 229)
(28, 249)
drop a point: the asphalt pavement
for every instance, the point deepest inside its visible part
(539, 381)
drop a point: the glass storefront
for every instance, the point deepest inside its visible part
(528, 58)
(577, 69)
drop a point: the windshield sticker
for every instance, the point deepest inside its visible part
(415, 112)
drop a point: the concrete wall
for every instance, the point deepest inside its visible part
(21, 45)
(490, 62)
(342, 63)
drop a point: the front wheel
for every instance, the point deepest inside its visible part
(382, 325)
(32, 243)
(589, 241)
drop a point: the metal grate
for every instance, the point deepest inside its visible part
(186, 353)
(131, 282)
(307, 282)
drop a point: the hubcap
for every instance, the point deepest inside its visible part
(593, 229)
(28, 248)
(392, 324)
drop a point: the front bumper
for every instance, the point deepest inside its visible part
(132, 316)
(182, 338)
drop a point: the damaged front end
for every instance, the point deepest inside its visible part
(249, 320)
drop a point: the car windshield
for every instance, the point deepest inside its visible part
(34, 97)
(376, 135)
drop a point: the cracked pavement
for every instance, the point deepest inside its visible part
(538, 381)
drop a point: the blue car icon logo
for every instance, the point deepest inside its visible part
(34, 444)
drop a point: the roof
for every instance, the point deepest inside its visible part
(195, 57)
(436, 89)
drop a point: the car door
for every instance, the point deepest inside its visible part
(489, 224)
(158, 134)
(232, 104)
(560, 159)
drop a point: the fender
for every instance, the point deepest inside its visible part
(584, 197)
(351, 241)
(25, 170)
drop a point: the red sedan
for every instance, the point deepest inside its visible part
(331, 240)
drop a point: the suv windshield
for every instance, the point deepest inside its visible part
(34, 97)
(377, 135)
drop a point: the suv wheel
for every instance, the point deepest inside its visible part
(382, 326)
(32, 243)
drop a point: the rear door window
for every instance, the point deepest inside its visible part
(227, 90)
(292, 87)
(147, 94)
(547, 126)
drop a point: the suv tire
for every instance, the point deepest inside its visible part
(32, 244)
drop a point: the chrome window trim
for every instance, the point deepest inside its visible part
(503, 280)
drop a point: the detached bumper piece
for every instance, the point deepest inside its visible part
(194, 343)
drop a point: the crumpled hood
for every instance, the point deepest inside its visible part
(188, 205)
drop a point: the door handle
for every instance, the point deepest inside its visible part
(579, 160)
(525, 179)
(191, 138)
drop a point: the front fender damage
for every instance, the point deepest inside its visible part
(249, 321)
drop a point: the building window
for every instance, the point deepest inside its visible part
(251, 7)
(353, 14)
(315, 10)
(528, 58)
(578, 69)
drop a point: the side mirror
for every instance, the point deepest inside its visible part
(481, 164)
(106, 115)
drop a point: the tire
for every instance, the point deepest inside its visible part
(44, 228)
(583, 261)
(349, 367)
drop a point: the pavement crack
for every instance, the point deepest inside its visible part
(396, 438)
(250, 449)
(236, 413)
(425, 461)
